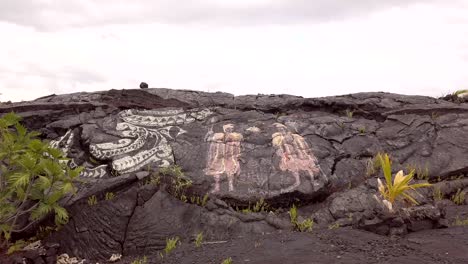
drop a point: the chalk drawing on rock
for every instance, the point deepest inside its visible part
(145, 135)
(254, 129)
(295, 155)
(64, 143)
(223, 155)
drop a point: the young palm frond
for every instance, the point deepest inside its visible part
(399, 187)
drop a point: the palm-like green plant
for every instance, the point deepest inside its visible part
(460, 92)
(399, 187)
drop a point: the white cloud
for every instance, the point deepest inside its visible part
(419, 49)
(52, 15)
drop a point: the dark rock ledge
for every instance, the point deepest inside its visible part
(312, 152)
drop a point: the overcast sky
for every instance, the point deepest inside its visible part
(310, 48)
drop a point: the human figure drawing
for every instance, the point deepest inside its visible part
(223, 155)
(295, 154)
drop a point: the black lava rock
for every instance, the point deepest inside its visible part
(143, 85)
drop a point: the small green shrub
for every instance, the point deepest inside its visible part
(109, 196)
(304, 226)
(33, 178)
(17, 246)
(171, 244)
(179, 183)
(260, 206)
(362, 130)
(199, 240)
(204, 200)
(92, 200)
(143, 260)
(334, 226)
(349, 113)
(421, 173)
(459, 197)
(201, 201)
(247, 210)
(227, 261)
(293, 214)
(437, 194)
(460, 222)
(373, 165)
(460, 92)
(155, 180)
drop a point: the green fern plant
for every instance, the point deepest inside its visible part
(33, 178)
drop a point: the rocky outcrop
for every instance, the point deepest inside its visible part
(280, 149)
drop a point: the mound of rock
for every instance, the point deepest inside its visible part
(161, 163)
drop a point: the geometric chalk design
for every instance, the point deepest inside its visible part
(145, 135)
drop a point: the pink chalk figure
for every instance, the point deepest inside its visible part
(295, 154)
(223, 155)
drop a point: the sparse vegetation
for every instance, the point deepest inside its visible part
(459, 197)
(399, 187)
(362, 130)
(44, 231)
(341, 124)
(92, 200)
(260, 206)
(334, 226)
(349, 113)
(421, 173)
(373, 165)
(109, 196)
(199, 240)
(179, 183)
(33, 178)
(143, 260)
(227, 261)
(437, 194)
(154, 179)
(198, 200)
(17, 246)
(460, 222)
(304, 226)
(171, 244)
